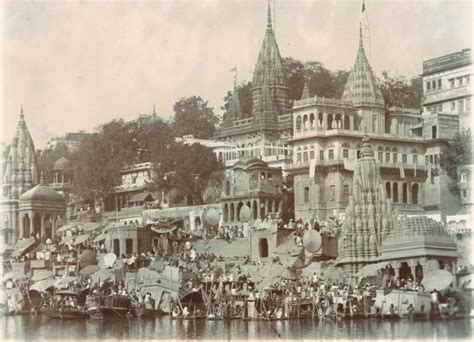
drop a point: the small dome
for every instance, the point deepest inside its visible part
(42, 193)
(418, 226)
(62, 164)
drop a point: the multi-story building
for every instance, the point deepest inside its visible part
(126, 203)
(327, 136)
(447, 88)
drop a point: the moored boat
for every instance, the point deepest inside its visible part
(116, 306)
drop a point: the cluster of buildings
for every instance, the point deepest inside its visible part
(309, 161)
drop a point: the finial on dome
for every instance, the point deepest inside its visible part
(269, 18)
(22, 115)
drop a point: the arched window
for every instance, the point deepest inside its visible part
(320, 119)
(227, 188)
(338, 121)
(298, 123)
(305, 153)
(395, 192)
(345, 150)
(380, 153)
(405, 193)
(312, 152)
(388, 190)
(414, 193)
(298, 154)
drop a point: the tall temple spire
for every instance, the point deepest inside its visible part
(269, 71)
(361, 88)
(154, 110)
(269, 18)
(369, 216)
(306, 93)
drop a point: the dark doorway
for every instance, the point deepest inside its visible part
(263, 248)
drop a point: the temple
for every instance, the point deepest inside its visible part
(369, 216)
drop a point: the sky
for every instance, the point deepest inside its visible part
(74, 65)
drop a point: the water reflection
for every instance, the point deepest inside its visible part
(41, 327)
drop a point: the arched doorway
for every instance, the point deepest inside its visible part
(395, 193)
(26, 226)
(37, 225)
(232, 212)
(263, 248)
(254, 210)
(239, 207)
(388, 190)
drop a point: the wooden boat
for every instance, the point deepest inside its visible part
(143, 310)
(93, 307)
(116, 306)
(62, 309)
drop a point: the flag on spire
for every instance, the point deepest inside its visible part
(363, 6)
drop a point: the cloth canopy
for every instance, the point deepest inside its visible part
(103, 274)
(14, 275)
(64, 281)
(66, 239)
(100, 237)
(23, 246)
(89, 270)
(370, 270)
(90, 226)
(163, 230)
(43, 285)
(41, 275)
(66, 227)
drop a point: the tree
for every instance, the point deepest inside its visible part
(187, 171)
(194, 116)
(48, 157)
(457, 154)
(397, 91)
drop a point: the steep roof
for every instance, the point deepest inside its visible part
(269, 67)
(361, 87)
(42, 193)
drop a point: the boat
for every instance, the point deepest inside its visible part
(144, 309)
(116, 306)
(93, 307)
(65, 307)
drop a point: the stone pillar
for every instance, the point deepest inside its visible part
(409, 201)
(412, 264)
(396, 267)
(31, 215)
(22, 226)
(43, 230)
(325, 120)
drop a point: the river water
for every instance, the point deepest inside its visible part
(43, 328)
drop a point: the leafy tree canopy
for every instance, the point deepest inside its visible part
(194, 116)
(457, 154)
(398, 91)
(188, 170)
(48, 157)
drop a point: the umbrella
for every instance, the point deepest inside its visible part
(80, 239)
(102, 275)
(312, 268)
(437, 280)
(65, 281)
(41, 275)
(109, 259)
(66, 239)
(100, 237)
(312, 241)
(90, 226)
(89, 270)
(334, 273)
(66, 227)
(43, 285)
(87, 258)
(14, 275)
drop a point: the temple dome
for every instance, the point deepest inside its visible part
(62, 164)
(418, 226)
(42, 193)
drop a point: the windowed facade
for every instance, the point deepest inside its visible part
(331, 154)
(321, 155)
